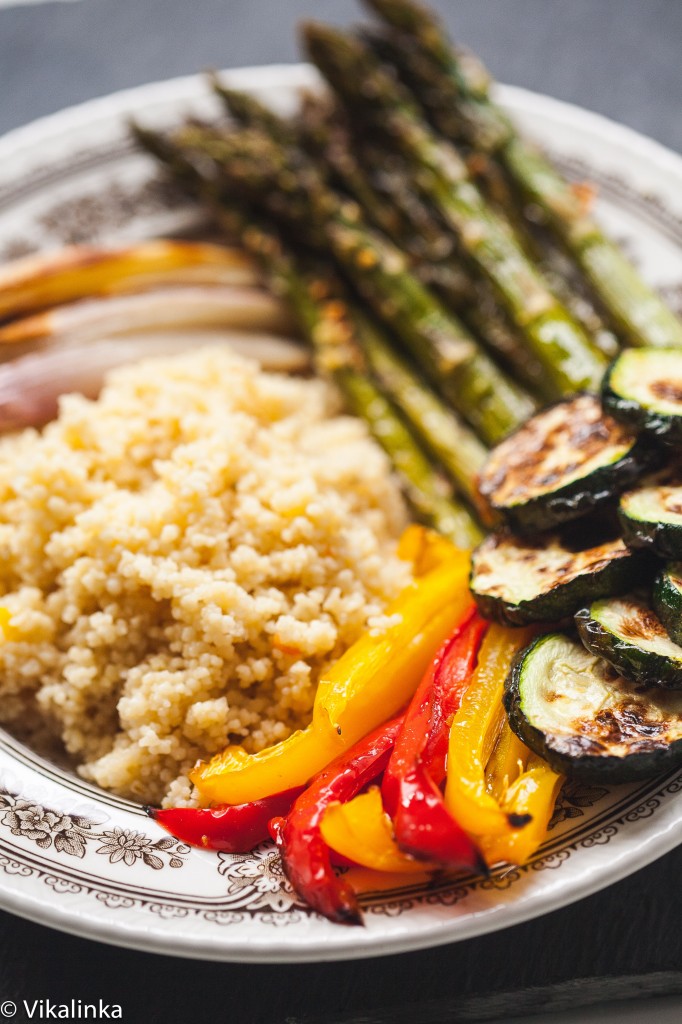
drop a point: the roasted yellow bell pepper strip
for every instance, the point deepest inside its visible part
(361, 831)
(474, 732)
(507, 761)
(532, 795)
(425, 549)
(366, 686)
(497, 794)
(235, 777)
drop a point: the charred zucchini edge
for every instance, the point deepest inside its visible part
(667, 600)
(627, 656)
(571, 501)
(654, 535)
(582, 767)
(665, 426)
(563, 599)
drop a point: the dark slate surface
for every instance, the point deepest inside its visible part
(623, 943)
(619, 57)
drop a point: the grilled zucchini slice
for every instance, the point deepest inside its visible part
(651, 514)
(561, 464)
(588, 722)
(667, 599)
(517, 581)
(643, 388)
(632, 638)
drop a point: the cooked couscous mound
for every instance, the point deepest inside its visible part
(181, 559)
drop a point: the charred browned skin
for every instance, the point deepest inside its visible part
(578, 745)
(671, 499)
(627, 723)
(624, 723)
(667, 390)
(642, 625)
(520, 463)
(576, 563)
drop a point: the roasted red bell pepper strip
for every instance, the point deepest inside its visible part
(424, 736)
(234, 829)
(503, 800)
(410, 788)
(305, 855)
(426, 830)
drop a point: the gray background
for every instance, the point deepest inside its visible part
(619, 57)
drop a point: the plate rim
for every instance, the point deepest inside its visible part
(110, 930)
(300, 74)
(114, 933)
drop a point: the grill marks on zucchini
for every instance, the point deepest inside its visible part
(518, 581)
(632, 638)
(573, 709)
(651, 514)
(561, 464)
(643, 388)
(608, 708)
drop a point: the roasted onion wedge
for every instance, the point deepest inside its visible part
(172, 308)
(30, 386)
(77, 272)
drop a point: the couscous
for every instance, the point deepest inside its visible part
(181, 559)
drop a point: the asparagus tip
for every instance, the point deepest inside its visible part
(321, 38)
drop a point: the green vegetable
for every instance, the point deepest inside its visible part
(571, 708)
(630, 636)
(327, 319)
(381, 184)
(454, 446)
(249, 111)
(517, 581)
(289, 187)
(651, 514)
(561, 464)
(569, 358)
(667, 599)
(637, 311)
(643, 387)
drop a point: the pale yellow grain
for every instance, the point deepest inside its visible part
(181, 560)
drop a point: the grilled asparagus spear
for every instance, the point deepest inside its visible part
(249, 111)
(417, 69)
(330, 324)
(383, 190)
(638, 313)
(457, 449)
(288, 186)
(443, 267)
(569, 357)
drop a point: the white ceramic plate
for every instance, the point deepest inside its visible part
(90, 863)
